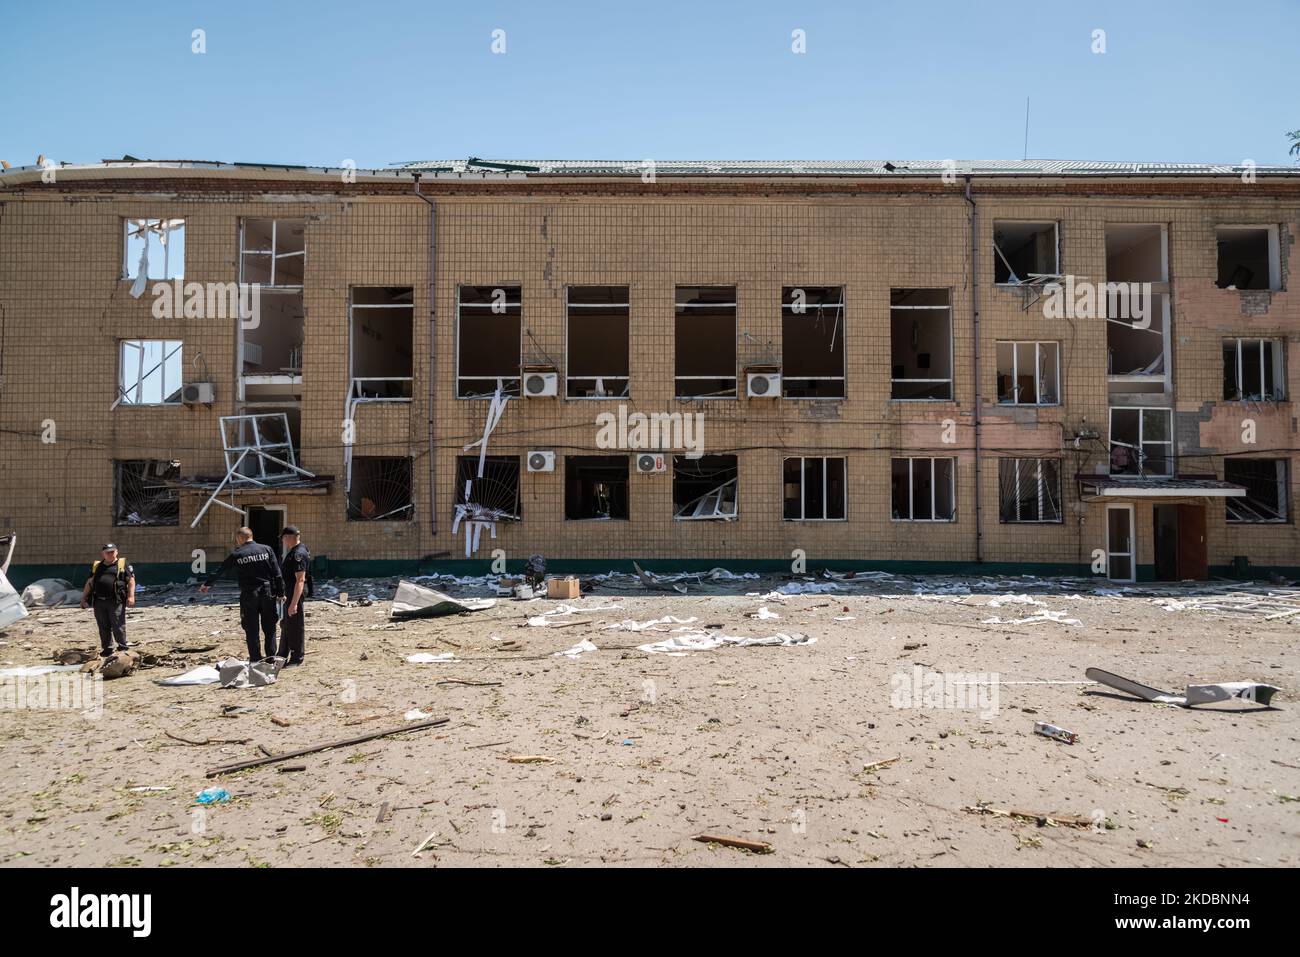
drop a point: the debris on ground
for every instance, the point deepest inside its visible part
(415, 601)
(1195, 694)
(1055, 733)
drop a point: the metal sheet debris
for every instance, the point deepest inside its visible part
(680, 645)
(1195, 694)
(415, 601)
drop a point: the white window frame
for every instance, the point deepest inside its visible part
(1041, 490)
(356, 382)
(1142, 439)
(803, 496)
(843, 322)
(735, 326)
(568, 307)
(151, 227)
(123, 390)
(952, 354)
(275, 257)
(1279, 367)
(1038, 365)
(911, 481)
(518, 378)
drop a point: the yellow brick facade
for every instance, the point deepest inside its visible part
(65, 308)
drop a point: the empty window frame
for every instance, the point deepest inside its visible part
(595, 487)
(1137, 315)
(272, 252)
(495, 492)
(1266, 482)
(812, 342)
(489, 344)
(597, 341)
(154, 246)
(271, 348)
(1029, 490)
(141, 493)
(705, 342)
(705, 488)
(1029, 373)
(381, 321)
(1253, 369)
(815, 489)
(1141, 442)
(924, 489)
(149, 372)
(382, 489)
(1024, 251)
(1248, 257)
(920, 329)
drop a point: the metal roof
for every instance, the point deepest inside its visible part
(842, 167)
(477, 168)
(1161, 487)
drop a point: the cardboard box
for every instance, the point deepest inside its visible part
(563, 588)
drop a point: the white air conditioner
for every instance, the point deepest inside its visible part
(649, 463)
(763, 385)
(541, 461)
(198, 393)
(539, 385)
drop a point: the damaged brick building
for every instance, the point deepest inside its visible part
(917, 366)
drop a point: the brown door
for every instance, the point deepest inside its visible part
(1193, 560)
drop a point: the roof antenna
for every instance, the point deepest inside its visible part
(1026, 156)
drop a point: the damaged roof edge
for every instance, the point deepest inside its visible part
(480, 169)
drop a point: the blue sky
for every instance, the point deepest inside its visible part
(395, 81)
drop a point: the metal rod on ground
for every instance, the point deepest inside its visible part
(257, 762)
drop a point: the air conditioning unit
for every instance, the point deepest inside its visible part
(541, 461)
(198, 393)
(763, 385)
(539, 385)
(649, 463)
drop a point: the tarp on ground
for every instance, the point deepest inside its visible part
(415, 601)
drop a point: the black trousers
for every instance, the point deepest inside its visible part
(110, 616)
(293, 634)
(258, 608)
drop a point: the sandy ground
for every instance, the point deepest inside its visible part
(645, 752)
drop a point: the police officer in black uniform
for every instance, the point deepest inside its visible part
(260, 585)
(296, 569)
(111, 589)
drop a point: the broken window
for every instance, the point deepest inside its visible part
(1253, 369)
(488, 340)
(598, 336)
(1023, 252)
(1135, 301)
(272, 252)
(270, 348)
(705, 488)
(1266, 483)
(814, 489)
(923, 489)
(382, 322)
(595, 487)
(1028, 373)
(812, 342)
(1141, 442)
(1029, 490)
(705, 342)
(496, 491)
(149, 372)
(920, 330)
(154, 248)
(381, 489)
(1248, 257)
(142, 495)
(271, 429)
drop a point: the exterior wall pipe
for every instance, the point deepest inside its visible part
(975, 362)
(433, 354)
